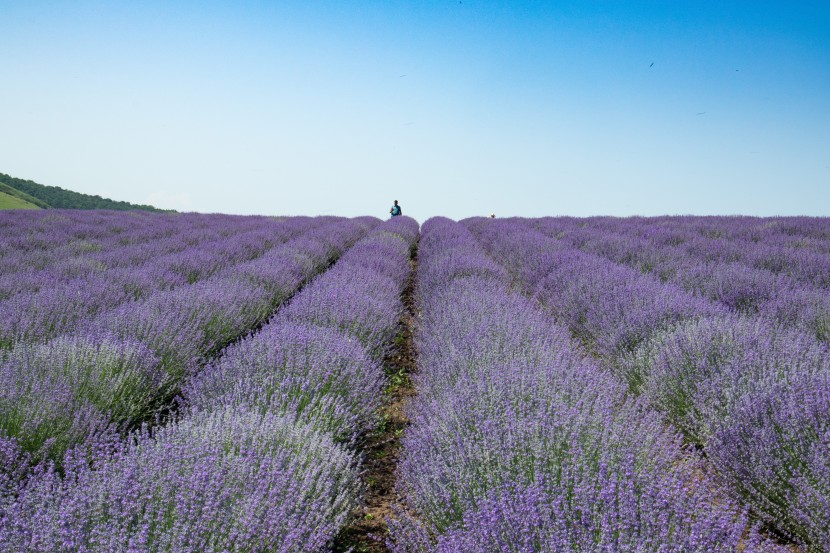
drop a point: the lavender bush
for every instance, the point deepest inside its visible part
(318, 375)
(804, 308)
(528, 519)
(83, 285)
(120, 367)
(613, 307)
(740, 288)
(230, 480)
(62, 393)
(351, 300)
(56, 310)
(810, 496)
(774, 451)
(360, 295)
(186, 487)
(185, 325)
(189, 324)
(15, 466)
(704, 268)
(696, 372)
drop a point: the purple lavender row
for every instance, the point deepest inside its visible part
(793, 233)
(79, 411)
(718, 369)
(520, 443)
(239, 471)
(38, 313)
(612, 307)
(810, 266)
(753, 394)
(48, 231)
(735, 234)
(178, 254)
(803, 261)
(701, 265)
(53, 310)
(120, 367)
(319, 358)
(56, 241)
(222, 481)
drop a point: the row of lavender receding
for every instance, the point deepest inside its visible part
(668, 331)
(739, 262)
(752, 393)
(261, 457)
(521, 443)
(121, 367)
(52, 299)
(34, 372)
(795, 247)
(51, 249)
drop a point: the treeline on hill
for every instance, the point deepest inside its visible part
(53, 196)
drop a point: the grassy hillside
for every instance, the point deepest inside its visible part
(54, 196)
(7, 201)
(20, 195)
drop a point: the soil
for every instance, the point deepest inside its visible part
(381, 449)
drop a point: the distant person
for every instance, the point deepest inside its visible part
(396, 209)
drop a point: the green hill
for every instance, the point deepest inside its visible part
(21, 196)
(7, 201)
(53, 196)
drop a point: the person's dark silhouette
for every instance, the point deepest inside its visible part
(396, 209)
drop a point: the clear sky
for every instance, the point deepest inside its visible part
(453, 108)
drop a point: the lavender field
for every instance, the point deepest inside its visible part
(216, 383)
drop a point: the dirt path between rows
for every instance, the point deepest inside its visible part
(382, 448)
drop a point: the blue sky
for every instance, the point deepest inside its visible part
(452, 108)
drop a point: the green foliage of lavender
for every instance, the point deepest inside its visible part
(774, 451)
(59, 394)
(698, 371)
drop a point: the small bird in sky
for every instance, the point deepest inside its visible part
(401, 75)
(652, 64)
(701, 113)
